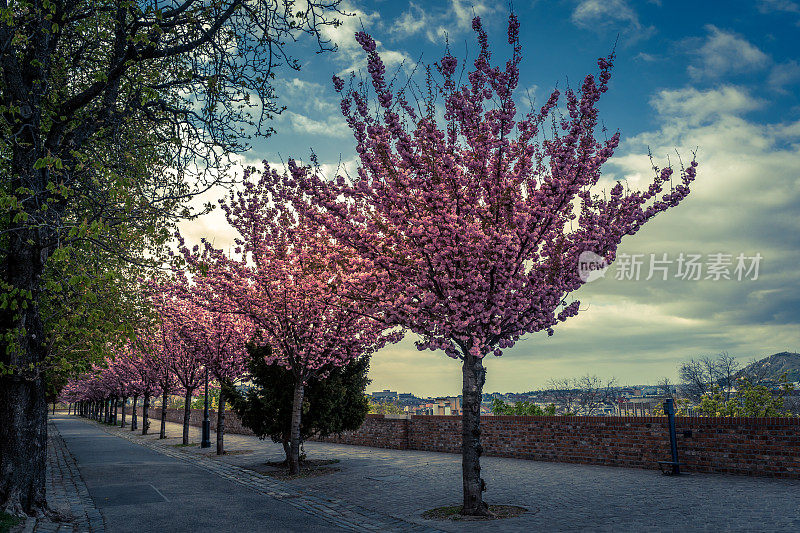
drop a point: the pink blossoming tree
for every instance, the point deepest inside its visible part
(290, 280)
(474, 223)
(219, 339)
(160, 337)
(125, 373)
(142, 360)
(178, 358)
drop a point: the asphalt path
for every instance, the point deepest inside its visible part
(139, 490)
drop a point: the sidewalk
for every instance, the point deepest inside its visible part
(383, 490)
(137, 489)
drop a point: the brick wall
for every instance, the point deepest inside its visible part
(745, 446)
(232, 422)
(379, 431)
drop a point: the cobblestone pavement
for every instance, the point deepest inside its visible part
(383, 490)
(66, 494)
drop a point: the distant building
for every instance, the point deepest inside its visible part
(384, 395)
(638, 406)
(442, 406)
(448, 406)
(425, 409)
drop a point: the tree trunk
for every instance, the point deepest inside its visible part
(145, 414)
(221, 424)
(287, 448)
(187, 415)
(474, 376)
(23, 441)
(163, 433)
(124, 401)
(297, 413)
(134, 416)
(23, 343)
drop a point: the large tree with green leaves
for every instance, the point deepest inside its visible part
(111, 113)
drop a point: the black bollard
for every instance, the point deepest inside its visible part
(669, 410)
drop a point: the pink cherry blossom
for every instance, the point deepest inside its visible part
(473, 224)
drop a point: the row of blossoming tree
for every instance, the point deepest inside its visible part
(464, 227)
(183, 344)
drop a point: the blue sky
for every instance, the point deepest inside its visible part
(723, 77)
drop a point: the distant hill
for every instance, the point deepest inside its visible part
(774, 366)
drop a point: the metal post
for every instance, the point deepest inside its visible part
(669, 409)
(206, 442)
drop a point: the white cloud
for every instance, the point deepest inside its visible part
(778, 6)
(644, 56)
(309, 96)
(725, 53)
(213, 226)
(435, 24)
(601, 14)
(465, 11)
(349, 51)
(784, 74)
(332, 126)
(412, 21)
(692, 106)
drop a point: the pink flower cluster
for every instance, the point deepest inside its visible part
(472, 227)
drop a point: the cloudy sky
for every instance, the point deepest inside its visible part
(689, 76)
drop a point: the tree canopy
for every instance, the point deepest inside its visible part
(113, 115)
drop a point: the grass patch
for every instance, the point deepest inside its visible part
(8, 521)
(181, 445)
(453, 512)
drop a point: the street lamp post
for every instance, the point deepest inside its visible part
(206, 442)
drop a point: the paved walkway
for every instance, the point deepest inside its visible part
(387, 490)
(67, 494)
(137, 489)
